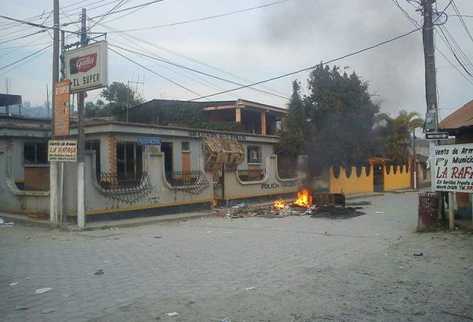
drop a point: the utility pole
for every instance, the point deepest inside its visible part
(429, 57)
(53, 166)
(81, 137)
(431, 90)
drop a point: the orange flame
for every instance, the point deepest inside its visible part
(279, 204)
(304, 198)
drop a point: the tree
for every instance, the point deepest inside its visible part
(119, 97)
(341, 117)
(292, 134)
(396, 134)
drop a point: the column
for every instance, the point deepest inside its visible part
(263, 123)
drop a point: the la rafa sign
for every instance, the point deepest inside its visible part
(452, 168)
(86, 67)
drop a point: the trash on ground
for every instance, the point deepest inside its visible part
(419, 254)
(13, 284)
(5, 224)
(99, 272)
(172, 314)
(21, 308)
(47, 311)
(250, 288)
(359, 203)
(42, 290)
(380, 212)
(157, 237)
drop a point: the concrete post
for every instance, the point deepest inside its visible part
(451, 208)
(53, 191)
(80, 195)
(263, 123)
(238, 115)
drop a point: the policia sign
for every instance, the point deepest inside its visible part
(86, 67)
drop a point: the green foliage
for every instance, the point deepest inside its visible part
(118, 96)
(292, 134)
(395, 134)
(341, 116)
(190, 115)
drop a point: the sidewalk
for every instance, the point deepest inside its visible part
(138, 221)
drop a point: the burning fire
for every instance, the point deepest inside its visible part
(279, 204)
(304, 198)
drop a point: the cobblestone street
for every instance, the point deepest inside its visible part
(253, 269)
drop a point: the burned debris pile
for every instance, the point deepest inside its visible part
(316, 205)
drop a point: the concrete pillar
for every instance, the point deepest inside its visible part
(80, 195)
(451, 209)
(238, 115)
(53, 193)
(112, 155)
(263, 122)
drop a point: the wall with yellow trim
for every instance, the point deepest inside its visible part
(353, 183)
(397, 177)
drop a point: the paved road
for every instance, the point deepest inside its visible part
(255, 269)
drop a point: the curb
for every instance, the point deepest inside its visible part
(26, 221)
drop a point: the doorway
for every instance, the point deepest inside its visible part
(166, 148)
(378, 177)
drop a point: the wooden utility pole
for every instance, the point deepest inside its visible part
(429, 57)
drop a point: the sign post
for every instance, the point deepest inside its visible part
(86, 68)
(452, 171)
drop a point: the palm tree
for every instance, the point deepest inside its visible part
(396, 134)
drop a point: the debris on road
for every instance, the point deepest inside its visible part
(380, 212)
(21, 308)
(157, 237)
(5, 224)
(250, 288)
(42, 290)
(336, 212)
(172, 314)
(48, 311)
(99, 272)
(418, 254)
(13, 284)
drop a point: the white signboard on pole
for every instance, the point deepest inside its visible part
(62, 150)
(86, 67)
(452, 167)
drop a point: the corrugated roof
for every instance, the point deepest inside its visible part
(463, 117)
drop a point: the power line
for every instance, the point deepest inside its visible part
(153, 72)
(22, 37)
(136, 39)
(449, 45)
(120, 11)
(354, 53)
(25, 57)
(416, 24)
(37, 25)
(195, 70)
(462, 20)
(114, 8)
(226, 14)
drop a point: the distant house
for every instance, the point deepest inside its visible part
(169, 154)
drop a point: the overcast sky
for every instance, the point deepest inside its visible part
(249, 46)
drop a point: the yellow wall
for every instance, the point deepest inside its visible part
(351, 184)
(365, 182)
(398, 180)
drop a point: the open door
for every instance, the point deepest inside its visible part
(378, 177)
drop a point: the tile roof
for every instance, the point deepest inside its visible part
(463, 117)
